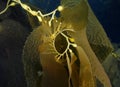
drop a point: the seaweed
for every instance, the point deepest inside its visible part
(65, 51)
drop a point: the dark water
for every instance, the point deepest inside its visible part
(107, 11)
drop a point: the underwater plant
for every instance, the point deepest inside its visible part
(64, 51)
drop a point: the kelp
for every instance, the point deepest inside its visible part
(97, 37)
(87, 78)
(64, 51)
(81, 38)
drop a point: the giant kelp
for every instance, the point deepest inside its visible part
(64, 51)
(97, 37)
(77, 22)
(100, 42)
(12, 38)
(13, 33)
(83, 40)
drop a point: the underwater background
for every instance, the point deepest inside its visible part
(107, 11)
(11, 69)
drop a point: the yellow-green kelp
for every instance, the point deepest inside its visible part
(64, 51)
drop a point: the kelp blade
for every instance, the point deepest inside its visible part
(86, 76)
(97, 37)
